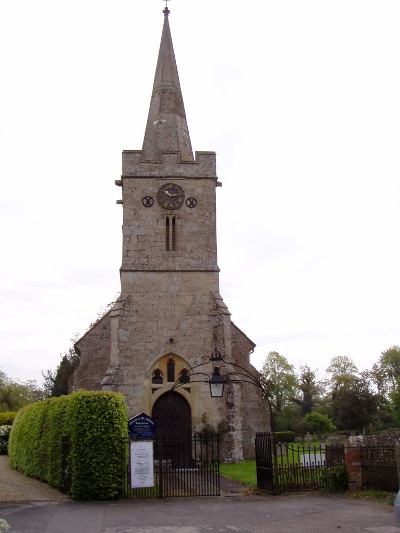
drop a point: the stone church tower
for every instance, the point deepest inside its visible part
(170, 315)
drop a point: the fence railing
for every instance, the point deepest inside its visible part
(182, 467)
(285, 467)
(379, 468)
(306, 468)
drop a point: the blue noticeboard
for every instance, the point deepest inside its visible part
(141, 427)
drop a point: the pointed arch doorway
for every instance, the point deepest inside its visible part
(173, 418)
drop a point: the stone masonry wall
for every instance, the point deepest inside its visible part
(164, 312)
(144, 228)
(254, 409)
(94, 350)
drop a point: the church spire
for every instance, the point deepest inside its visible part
(166, 129)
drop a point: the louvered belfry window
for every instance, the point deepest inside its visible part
(170, 233)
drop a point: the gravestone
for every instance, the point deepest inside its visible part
(308, 438)
(312, 459)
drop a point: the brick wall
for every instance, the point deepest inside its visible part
(352, 459)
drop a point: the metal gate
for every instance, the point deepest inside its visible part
(285, 467)
(182, 467)
(379, 469)
(264, 461)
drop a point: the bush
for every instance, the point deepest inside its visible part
(96, 423)
(284, 436)
(336, 480)
(321, 424)
(4, 436)
(7, 418)
(98, 426)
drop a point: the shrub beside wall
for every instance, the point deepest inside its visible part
(4, 436)
(7, 418)
(96, 423)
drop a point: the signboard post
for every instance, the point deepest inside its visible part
(141, 427)
(142, 431)
(142, 471)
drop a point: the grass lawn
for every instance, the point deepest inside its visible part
(244, 472)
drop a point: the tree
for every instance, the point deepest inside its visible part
(355, 405)
(395, 407)
(342, 370)
(387, 378)
(56, 382)
(15, 394)
(377, 378)
(309, 388)
(279, 378)
(353, 401)
(384, 415)
(341, 373)
(389, 365)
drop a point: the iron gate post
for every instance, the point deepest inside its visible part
(265, 461)
(160, 469)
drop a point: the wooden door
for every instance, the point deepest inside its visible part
(173, 419)
(172, 415)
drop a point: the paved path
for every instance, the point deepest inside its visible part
(16, 487)
(234, 514)
(46, 511)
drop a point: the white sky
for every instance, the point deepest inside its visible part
(300, 100)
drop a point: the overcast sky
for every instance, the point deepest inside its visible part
(300, 100)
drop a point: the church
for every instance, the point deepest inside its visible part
(170, 316)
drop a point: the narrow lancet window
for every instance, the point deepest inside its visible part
(167, 234)
(173, 234)
(170, 233)
(171, 370)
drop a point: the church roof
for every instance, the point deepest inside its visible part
(167, 129)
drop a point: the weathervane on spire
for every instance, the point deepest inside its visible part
(166, 10)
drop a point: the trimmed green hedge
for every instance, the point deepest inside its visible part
(96, 423)
(284, 436)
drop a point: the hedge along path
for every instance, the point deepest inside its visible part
(96, 423)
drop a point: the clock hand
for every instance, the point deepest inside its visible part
(170, 195)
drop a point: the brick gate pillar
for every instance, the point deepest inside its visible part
(352, 460)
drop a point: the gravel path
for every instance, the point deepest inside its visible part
(15, 487)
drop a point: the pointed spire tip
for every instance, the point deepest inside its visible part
(166, 129)
(166, 11)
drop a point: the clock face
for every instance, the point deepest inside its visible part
(170, 196)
